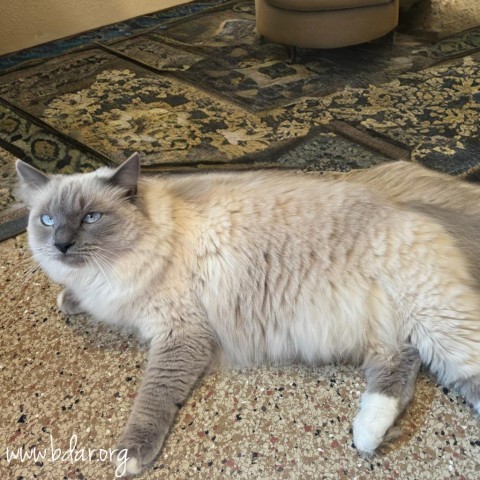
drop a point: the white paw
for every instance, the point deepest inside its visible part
(377, 414)
(125, 465)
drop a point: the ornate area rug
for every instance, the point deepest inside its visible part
(195, 87)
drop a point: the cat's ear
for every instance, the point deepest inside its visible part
(29, 176)
(126, 175)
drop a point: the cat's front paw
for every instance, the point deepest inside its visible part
(137, 449)
(67, 303)
(128, 461)
(373, 422)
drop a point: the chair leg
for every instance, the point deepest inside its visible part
(292, 53)
(390, 37)
(387, 39)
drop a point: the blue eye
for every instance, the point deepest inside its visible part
(92, 217)
(47, 220)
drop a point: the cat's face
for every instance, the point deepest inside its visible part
(81, 221)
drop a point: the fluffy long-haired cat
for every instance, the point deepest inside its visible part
(267, 267)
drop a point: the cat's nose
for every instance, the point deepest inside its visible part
(63, 246)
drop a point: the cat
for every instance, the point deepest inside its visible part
(263, 267)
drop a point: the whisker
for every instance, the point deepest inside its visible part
(97, 249)
(96, 261)
(105, 261)
(26, 269)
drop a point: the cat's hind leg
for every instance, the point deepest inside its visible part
(391, 379)
(470, 389)
(452, 352)
(456, 362)
(447, 336)
(443, 295)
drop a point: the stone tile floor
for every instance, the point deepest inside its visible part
(68, 383)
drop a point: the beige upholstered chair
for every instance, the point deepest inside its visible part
(325, 23)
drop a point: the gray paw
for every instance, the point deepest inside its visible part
(67, 303)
